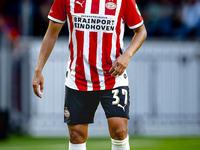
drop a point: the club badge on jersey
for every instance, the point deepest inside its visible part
(111, 5)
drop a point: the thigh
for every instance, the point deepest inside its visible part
(80, 106)
(115, 102)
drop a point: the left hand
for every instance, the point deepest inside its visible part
(120, 65)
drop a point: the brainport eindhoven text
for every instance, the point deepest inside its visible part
(95, 23)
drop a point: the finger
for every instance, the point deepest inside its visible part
(36, 90)
(116, 72)
(35, 87)
(42, 87)
(121, 71)
(38, 93)
(113, 67)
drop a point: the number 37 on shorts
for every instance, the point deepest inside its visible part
(121, 98)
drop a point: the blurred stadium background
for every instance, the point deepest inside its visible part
(164, 79)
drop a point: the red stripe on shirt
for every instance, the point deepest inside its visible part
(93, 61)
(80, 80)
(71, 41)
(95, 6)
(106, 60)
(106, 51)
(118, 31)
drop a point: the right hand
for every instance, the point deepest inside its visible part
(38, 81)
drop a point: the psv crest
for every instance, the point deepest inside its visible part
(66, 112)
(111, 5)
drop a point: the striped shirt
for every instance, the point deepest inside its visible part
(96, 30)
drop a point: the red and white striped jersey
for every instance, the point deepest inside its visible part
(96, 30)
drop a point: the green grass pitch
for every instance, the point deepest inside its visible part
(28, 143)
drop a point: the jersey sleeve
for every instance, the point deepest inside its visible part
(132, 16)
(58, 11)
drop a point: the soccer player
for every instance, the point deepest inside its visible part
(97, 67)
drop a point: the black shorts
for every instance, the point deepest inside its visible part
(80, 106)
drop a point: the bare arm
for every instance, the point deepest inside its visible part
(46, 49)
(122, 61)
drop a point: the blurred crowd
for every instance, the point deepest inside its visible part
(167, 18)
(9, 15)
(171, 18)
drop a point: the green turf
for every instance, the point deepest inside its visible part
(28, 143)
